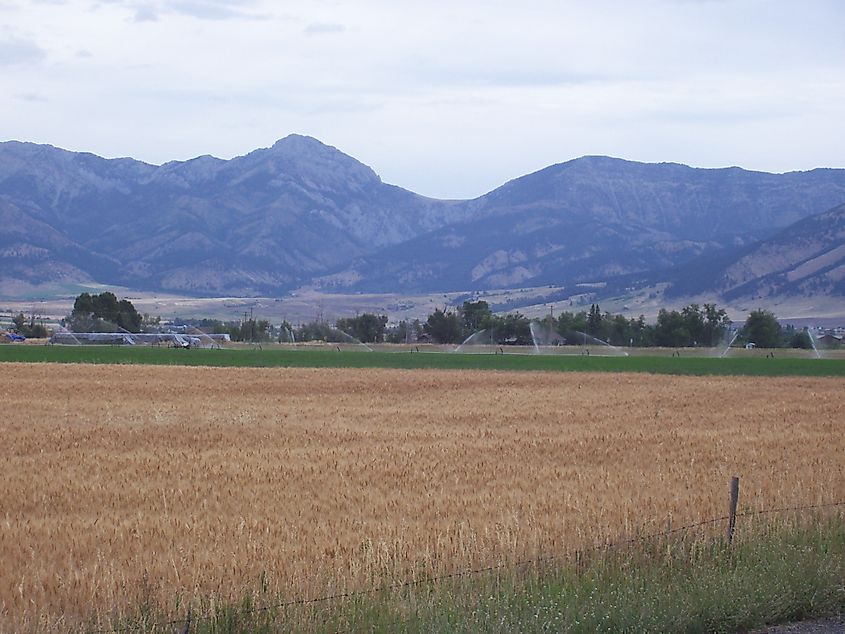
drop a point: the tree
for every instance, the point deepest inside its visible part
(366, 328)
(715, 324)
(316, 331)
(512, 329)
(475, 316)
(570, 324)
(671, 330)
(762, 329)
(404, 332)
(705, 327)
(620, 331)
(252, 330)
(694, 324)
(691, 326)
(797, 338)
(285, 334)
(642, 334)
(104, 313)
(594, 321)
(150, 323)
(443, 327)
(29, 328)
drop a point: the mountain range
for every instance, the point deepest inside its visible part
(303, 213)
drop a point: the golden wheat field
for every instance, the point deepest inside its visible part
(123, 481)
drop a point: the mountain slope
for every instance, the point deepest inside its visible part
(530, 249)
(594, 218)
(282, 216)
(690, 203)
(805, 259)
(257, 223)
(29, 248)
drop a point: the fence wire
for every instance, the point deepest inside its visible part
(184, 623)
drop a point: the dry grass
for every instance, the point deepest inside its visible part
(124, 483)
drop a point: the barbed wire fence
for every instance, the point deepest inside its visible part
(183, 624)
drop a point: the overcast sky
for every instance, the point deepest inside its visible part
(446, 98)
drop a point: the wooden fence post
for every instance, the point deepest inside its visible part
(732, 510)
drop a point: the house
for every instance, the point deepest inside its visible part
(828, 340)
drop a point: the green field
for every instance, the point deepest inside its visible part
(332, 358)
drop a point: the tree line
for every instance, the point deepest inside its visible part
(692, 326)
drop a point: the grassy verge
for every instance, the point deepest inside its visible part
(774, 574)
(330, 358)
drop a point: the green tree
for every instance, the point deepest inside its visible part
(475, 316)
(512, 329)
(252, 330)
(29, 327)
(594, 321)
(84, 304)
(620, 331)
(691, 326)
(797, 338)
(694, 324)
(316, 331)
(104, 313)
(366, 328)
(569, 324)
(716, 323)
(762, 329)
(671, 330)
(443, 327)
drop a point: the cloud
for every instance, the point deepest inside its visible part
(455, 75)
(17, 51)
(145, 13)
(32, 97)
(323, 28)
(212, 9)
(155, 10)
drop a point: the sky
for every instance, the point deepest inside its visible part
(447, 98)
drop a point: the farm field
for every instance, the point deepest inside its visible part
(660, 361)
(126, 484)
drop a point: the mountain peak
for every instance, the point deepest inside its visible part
(302, 139)
(301, 144)
(307, 155)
